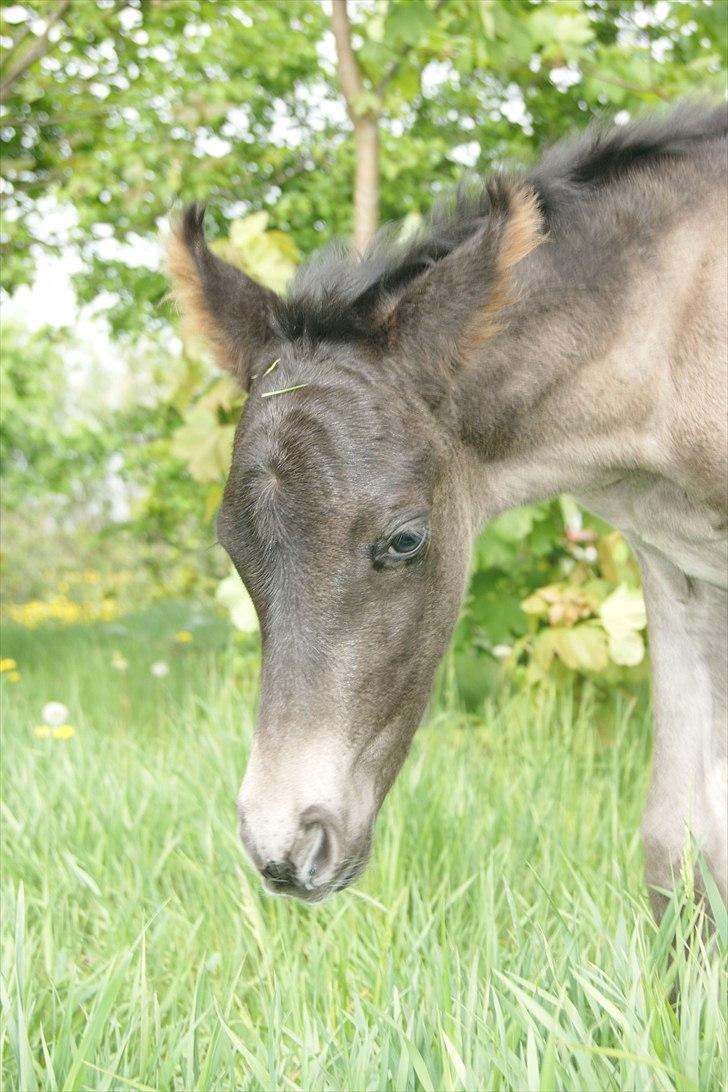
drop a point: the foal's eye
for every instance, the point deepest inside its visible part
(406, 544)
(402, 545)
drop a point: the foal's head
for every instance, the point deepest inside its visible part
(348, 509)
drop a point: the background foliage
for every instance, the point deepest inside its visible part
(114, 110)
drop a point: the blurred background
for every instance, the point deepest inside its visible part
(296, 124)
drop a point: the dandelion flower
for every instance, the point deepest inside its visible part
(64, 731)
(118, 662)
(13, 676)
(7, 664)
(160, 669)
(184, 637)
(54, 713)
(42, 731)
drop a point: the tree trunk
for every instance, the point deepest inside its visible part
(366, 130)
(366, 186)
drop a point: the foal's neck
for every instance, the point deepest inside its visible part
(575, 392)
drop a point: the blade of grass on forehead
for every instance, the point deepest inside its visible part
(284, 390)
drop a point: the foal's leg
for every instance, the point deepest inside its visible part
(688, 627)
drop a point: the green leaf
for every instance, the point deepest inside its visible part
(582, 646)
(407, 23)
(615, 559)
(406, 82)
(224, 394)
(715, 901)
(624, 608)
(374, 57)
(492, 552)
(205, 447)
(487, 19)
(570, 510)
(368, 102)
(243, 231)
(626, 648)
(513, 526)
(232, 594)
(535, 604)
(561, 29)
(270, 257)
(623, 616)
(204, 440)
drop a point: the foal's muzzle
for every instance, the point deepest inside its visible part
(313, 866)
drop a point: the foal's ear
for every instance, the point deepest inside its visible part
(458, 303)
(218, 301)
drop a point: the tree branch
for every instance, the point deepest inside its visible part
(40, 47)
(17, 41)
(596, 74)
(346, 63)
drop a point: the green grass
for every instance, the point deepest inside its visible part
(501, 937)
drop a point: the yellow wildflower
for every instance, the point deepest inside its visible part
(64, 731)
(13, 676)
(7, 664)
(42, 731)
(184, 637)
(59, 608)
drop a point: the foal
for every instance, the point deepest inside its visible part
(563, 330)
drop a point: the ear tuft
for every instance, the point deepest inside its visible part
(218, 302)
(524, 228)
(186, 240)
(520, 232)
(458, 302)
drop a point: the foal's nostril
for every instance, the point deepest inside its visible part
(306, 863)
(315, 850)
(279, 872)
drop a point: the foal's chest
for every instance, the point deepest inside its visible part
(656, 513)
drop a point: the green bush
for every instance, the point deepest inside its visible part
(554, 592)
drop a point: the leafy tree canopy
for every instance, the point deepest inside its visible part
(116, 109)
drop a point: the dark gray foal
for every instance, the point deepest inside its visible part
(564, 330)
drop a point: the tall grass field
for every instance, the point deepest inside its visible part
(500, 939)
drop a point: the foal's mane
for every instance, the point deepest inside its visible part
(333, 294)
(602, 155)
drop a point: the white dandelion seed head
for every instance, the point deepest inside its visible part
(54, 713)
(160, 669)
